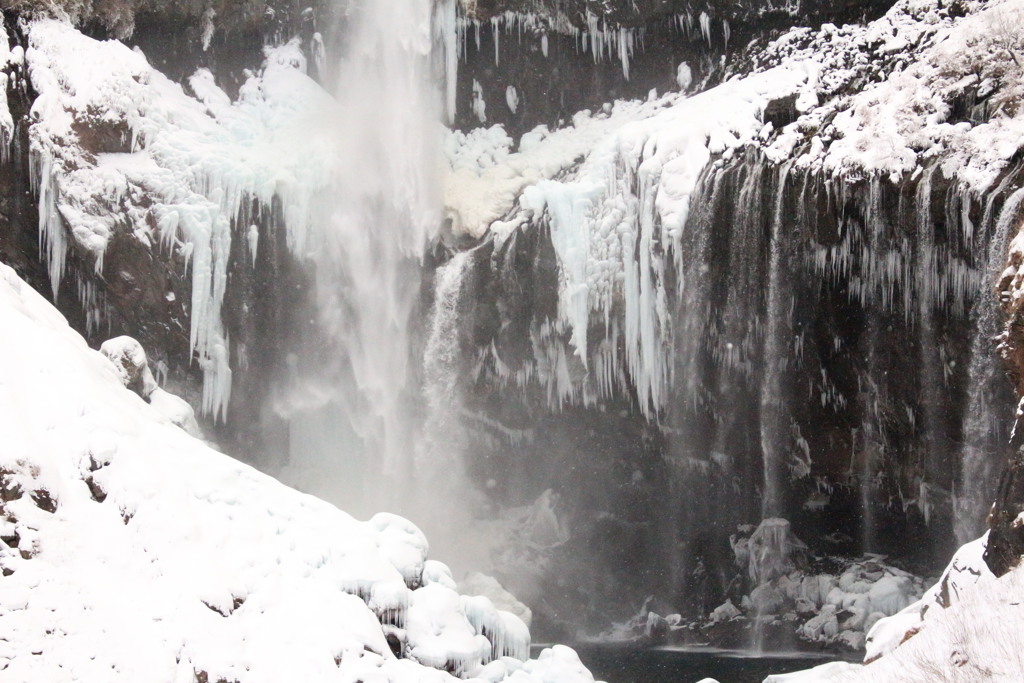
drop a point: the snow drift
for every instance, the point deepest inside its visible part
(132, 551)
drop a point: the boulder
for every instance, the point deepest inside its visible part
(132, 366)
(774, 551)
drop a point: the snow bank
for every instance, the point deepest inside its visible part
(977, 638)
(131, 551)
(966, 571)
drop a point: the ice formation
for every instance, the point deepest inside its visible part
(132, 551)
(617, 217)
(9, 63)
(200, 160)
(615, 243)
(605, 41)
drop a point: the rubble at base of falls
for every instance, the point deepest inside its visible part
(807, 602)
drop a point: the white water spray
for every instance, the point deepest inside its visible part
(353, 438)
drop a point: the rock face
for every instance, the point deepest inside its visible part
(1006, 532)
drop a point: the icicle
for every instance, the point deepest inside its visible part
(253, 236)
(512, 99)
(625, 49)
(319, 55)
(450, 33)
(705, 27)
(53, 240)
(496, 32)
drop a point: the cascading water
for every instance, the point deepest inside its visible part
(359, 432)
(985, 429)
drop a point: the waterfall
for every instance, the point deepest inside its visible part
(985, 428)
(774, 416)
(354, 415)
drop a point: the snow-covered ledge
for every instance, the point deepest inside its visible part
(131, 551)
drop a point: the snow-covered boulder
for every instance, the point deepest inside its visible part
(774, 551)
(129, 358)
(132, 365)
(477, 583)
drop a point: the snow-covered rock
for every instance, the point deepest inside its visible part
(477, 583)
(132, 551)
(129, 359)
(965, 572)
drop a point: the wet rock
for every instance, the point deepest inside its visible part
(774, 551)
(768, 599)
(725, 612)
(1006, 531)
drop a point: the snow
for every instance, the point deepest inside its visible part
(477, 583)
(905, 119)
(976, 638)
(966, 570)
(965, 627)
(160, 558)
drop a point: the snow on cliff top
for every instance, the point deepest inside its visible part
(929, 82)
(131, 551)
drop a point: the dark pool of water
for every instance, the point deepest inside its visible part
(627, 663)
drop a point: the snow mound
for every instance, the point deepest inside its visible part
(131, 551)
